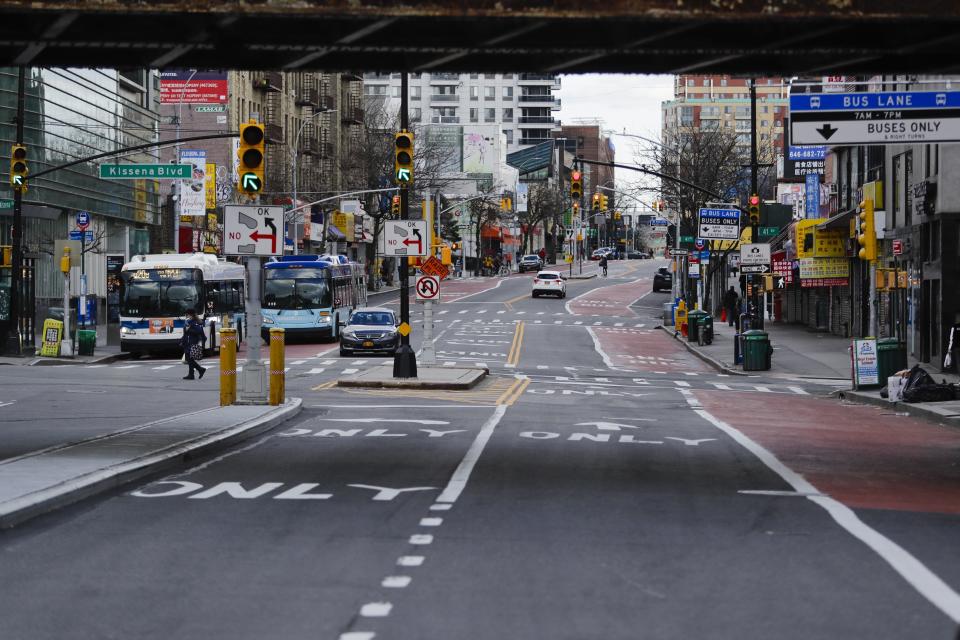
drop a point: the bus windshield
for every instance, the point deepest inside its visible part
(288, 289)
(149, 293)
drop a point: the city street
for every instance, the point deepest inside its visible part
(602, 482)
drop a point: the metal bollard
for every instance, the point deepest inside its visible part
(278, 377)
(228, 366)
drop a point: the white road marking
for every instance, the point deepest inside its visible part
(681, 383)
(443, 312)
(762, 388)
(376, 609)
(558, 322)
(798, 390)
(358, 362)
(915, 573)
(315, 371)
(462, 312)
(521, 313)
(761, 492)
(410, 561)
(722, 387)
(94, 366)
(368, 420)
(481, 311)
(449, 364)
(396, 582)
(618, 324)
(166, 366)
(542, 366)
(540, 313)
(349, 371)
(358, 635)
(298, 362)
(688, 373)
(461, 475)
(481, 365)
(327, 363)
(129, 366)
(431, 522)
(421, 539)
(440, 507)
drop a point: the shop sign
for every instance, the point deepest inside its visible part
(812, 283)
(865, 366)
(828, 243)
(824, 268)
(782, 266)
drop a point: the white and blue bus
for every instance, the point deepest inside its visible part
(156, 291)
(309, 295)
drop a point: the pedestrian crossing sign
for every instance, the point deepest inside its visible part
(403, 329)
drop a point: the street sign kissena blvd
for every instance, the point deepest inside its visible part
(875, 118)
(146, 171)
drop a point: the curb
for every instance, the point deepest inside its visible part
(61, 495)
(60, 362)
(913, 410)
(583, 277)
(716, 364)
(413, 383)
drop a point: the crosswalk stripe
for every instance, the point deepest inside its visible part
(540, 313)
(165, 367)
(501, 311)
(481, 365)
(688, 373)
(578, 322)
(762, 388)
(681, 383)
(722, 387)
(558, 322)
(348, 371)
(798, 390)
(602, 379)
(358, 362)
(443, 312)
(618, 324)
(327, 363)
(520, 313)
(315, 371)
(481, 311)
(463, 312)
(298, 362)
(449, 364)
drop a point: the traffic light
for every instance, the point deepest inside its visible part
(753, 209)
(596, 203)
(18, 166)
(506, 204)
(6, 255)
(867, 233)
(617, 215)
(251, 153)
(603, 203)
(576, 210)
(395, 207)
(576, 185)
(403, 158)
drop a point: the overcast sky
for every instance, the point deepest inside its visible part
(628, 103)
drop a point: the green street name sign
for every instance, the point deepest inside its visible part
(686, 239)
(6, 204)
(768, 232)
(146, 171)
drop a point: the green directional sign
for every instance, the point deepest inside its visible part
(250, 182)
(686, 239)
(146, 171)
(768, 232)
(17, 181)
(6, 204)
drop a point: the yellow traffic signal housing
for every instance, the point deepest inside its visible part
(445, 257)
(576, 210)
(6, 255)
(867, 233)
(603, 203)
(596, 202)
(617, 215)
(18, 166)
(576, 185)
(252, 158)
(395, 207)
(753, 209)
(403, 158)
(506, 204)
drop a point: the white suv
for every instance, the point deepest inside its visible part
(550, 283)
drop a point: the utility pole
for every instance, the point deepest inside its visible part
(405, 360)
(14, 344)
(754, 189)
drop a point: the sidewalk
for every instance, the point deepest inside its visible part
(44, 480)
(101, 355)
(801, 353)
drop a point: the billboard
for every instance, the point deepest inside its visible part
(193, 193)
(193, 87)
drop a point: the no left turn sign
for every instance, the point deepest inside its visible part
(428, 288)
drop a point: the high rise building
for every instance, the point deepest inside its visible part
(522, 103)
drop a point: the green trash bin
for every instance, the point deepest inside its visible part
(756, 350)
(705, 329)
(693, 324)
(86, 342)
(891, 357)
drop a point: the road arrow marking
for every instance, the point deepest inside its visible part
(606, 426)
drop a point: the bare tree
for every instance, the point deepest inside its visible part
(484, 211)
(542, 203)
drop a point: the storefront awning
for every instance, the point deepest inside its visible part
(490, 232)
(839, 221)
(334, 233)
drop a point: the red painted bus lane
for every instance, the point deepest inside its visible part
(859, 455)
(645, 350)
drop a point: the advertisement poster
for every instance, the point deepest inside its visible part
(193, 87)
(193, 196)
(161, 325)
(114, 265)
(210, 185)
(865, 372)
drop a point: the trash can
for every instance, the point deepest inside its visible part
(891, 357)
(693, 323)
(705, 329)
(86, 342)
(756, 350)
(668, 314)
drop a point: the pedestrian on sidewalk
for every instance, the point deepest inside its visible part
(731, 300)
(193, 341)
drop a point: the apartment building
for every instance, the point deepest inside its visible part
(522, 103)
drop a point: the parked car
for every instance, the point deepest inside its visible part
(549, 283)
(602, 251)
(370, 330)
(531, 262)
(636, 255)
(662, 279)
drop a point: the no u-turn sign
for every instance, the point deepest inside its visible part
(428, 288)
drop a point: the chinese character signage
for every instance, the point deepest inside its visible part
(824, 268)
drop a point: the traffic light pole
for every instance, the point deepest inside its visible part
(14, 344)
(754, 186)
(404, 360)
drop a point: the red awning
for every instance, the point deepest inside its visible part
(490, 232)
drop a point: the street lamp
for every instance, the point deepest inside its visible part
(295, 155)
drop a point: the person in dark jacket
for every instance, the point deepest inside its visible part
(192, 342)
(731, 300)
(603, 264)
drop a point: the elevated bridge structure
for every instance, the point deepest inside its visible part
(772, 37)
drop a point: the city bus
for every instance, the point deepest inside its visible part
(309, 295)
(156, 291)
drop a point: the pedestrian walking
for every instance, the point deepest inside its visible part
(731, 300)
(603, 265)
(193, 341)
(543, 256)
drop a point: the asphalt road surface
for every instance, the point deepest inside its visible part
(602, 483)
